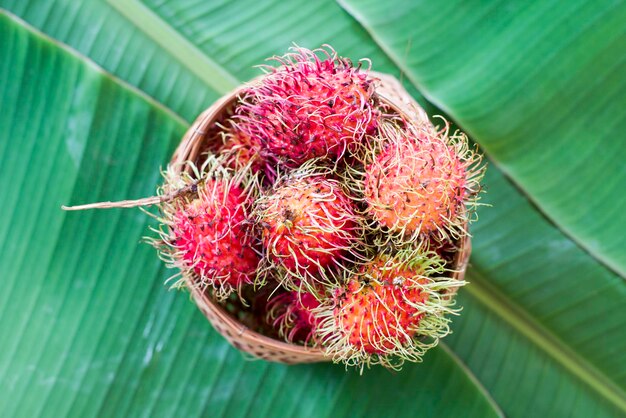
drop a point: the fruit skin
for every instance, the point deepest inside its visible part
(417, 181)
(292, 313)
(309, 227)
(207, 232)
(210, 234)
(379, 308)
(309, 107)
(392, 309)
(239, 150)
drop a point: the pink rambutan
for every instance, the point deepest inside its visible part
(315, 105)
(417, 180)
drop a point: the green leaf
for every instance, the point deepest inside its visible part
(87, 327)
(98, 31)
(539, 85)
(542, 320)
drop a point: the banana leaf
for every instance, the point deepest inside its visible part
(89, 329)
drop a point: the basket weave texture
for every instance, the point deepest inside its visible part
(195, 142)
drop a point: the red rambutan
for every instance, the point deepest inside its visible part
(292, 313)
(309, 227)
(209, 234)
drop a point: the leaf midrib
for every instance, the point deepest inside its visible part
(547, 341)
(481, 289)
(196, 61)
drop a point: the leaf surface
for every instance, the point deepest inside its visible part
(542, 317)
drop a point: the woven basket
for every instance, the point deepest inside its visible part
(195, 142)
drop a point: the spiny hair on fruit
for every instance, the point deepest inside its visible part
(417, 182)
(239, 150)
(310, 228)
(390, 310)
(206, 231)
(314, 104)
(292, 313)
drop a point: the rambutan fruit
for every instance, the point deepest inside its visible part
(418, 182)
(391, 310)
(314, 105)
(292, 313)
(310, 227)
(207, 234)
(239, 150)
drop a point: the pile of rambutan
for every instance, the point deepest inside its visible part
(329, 217)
